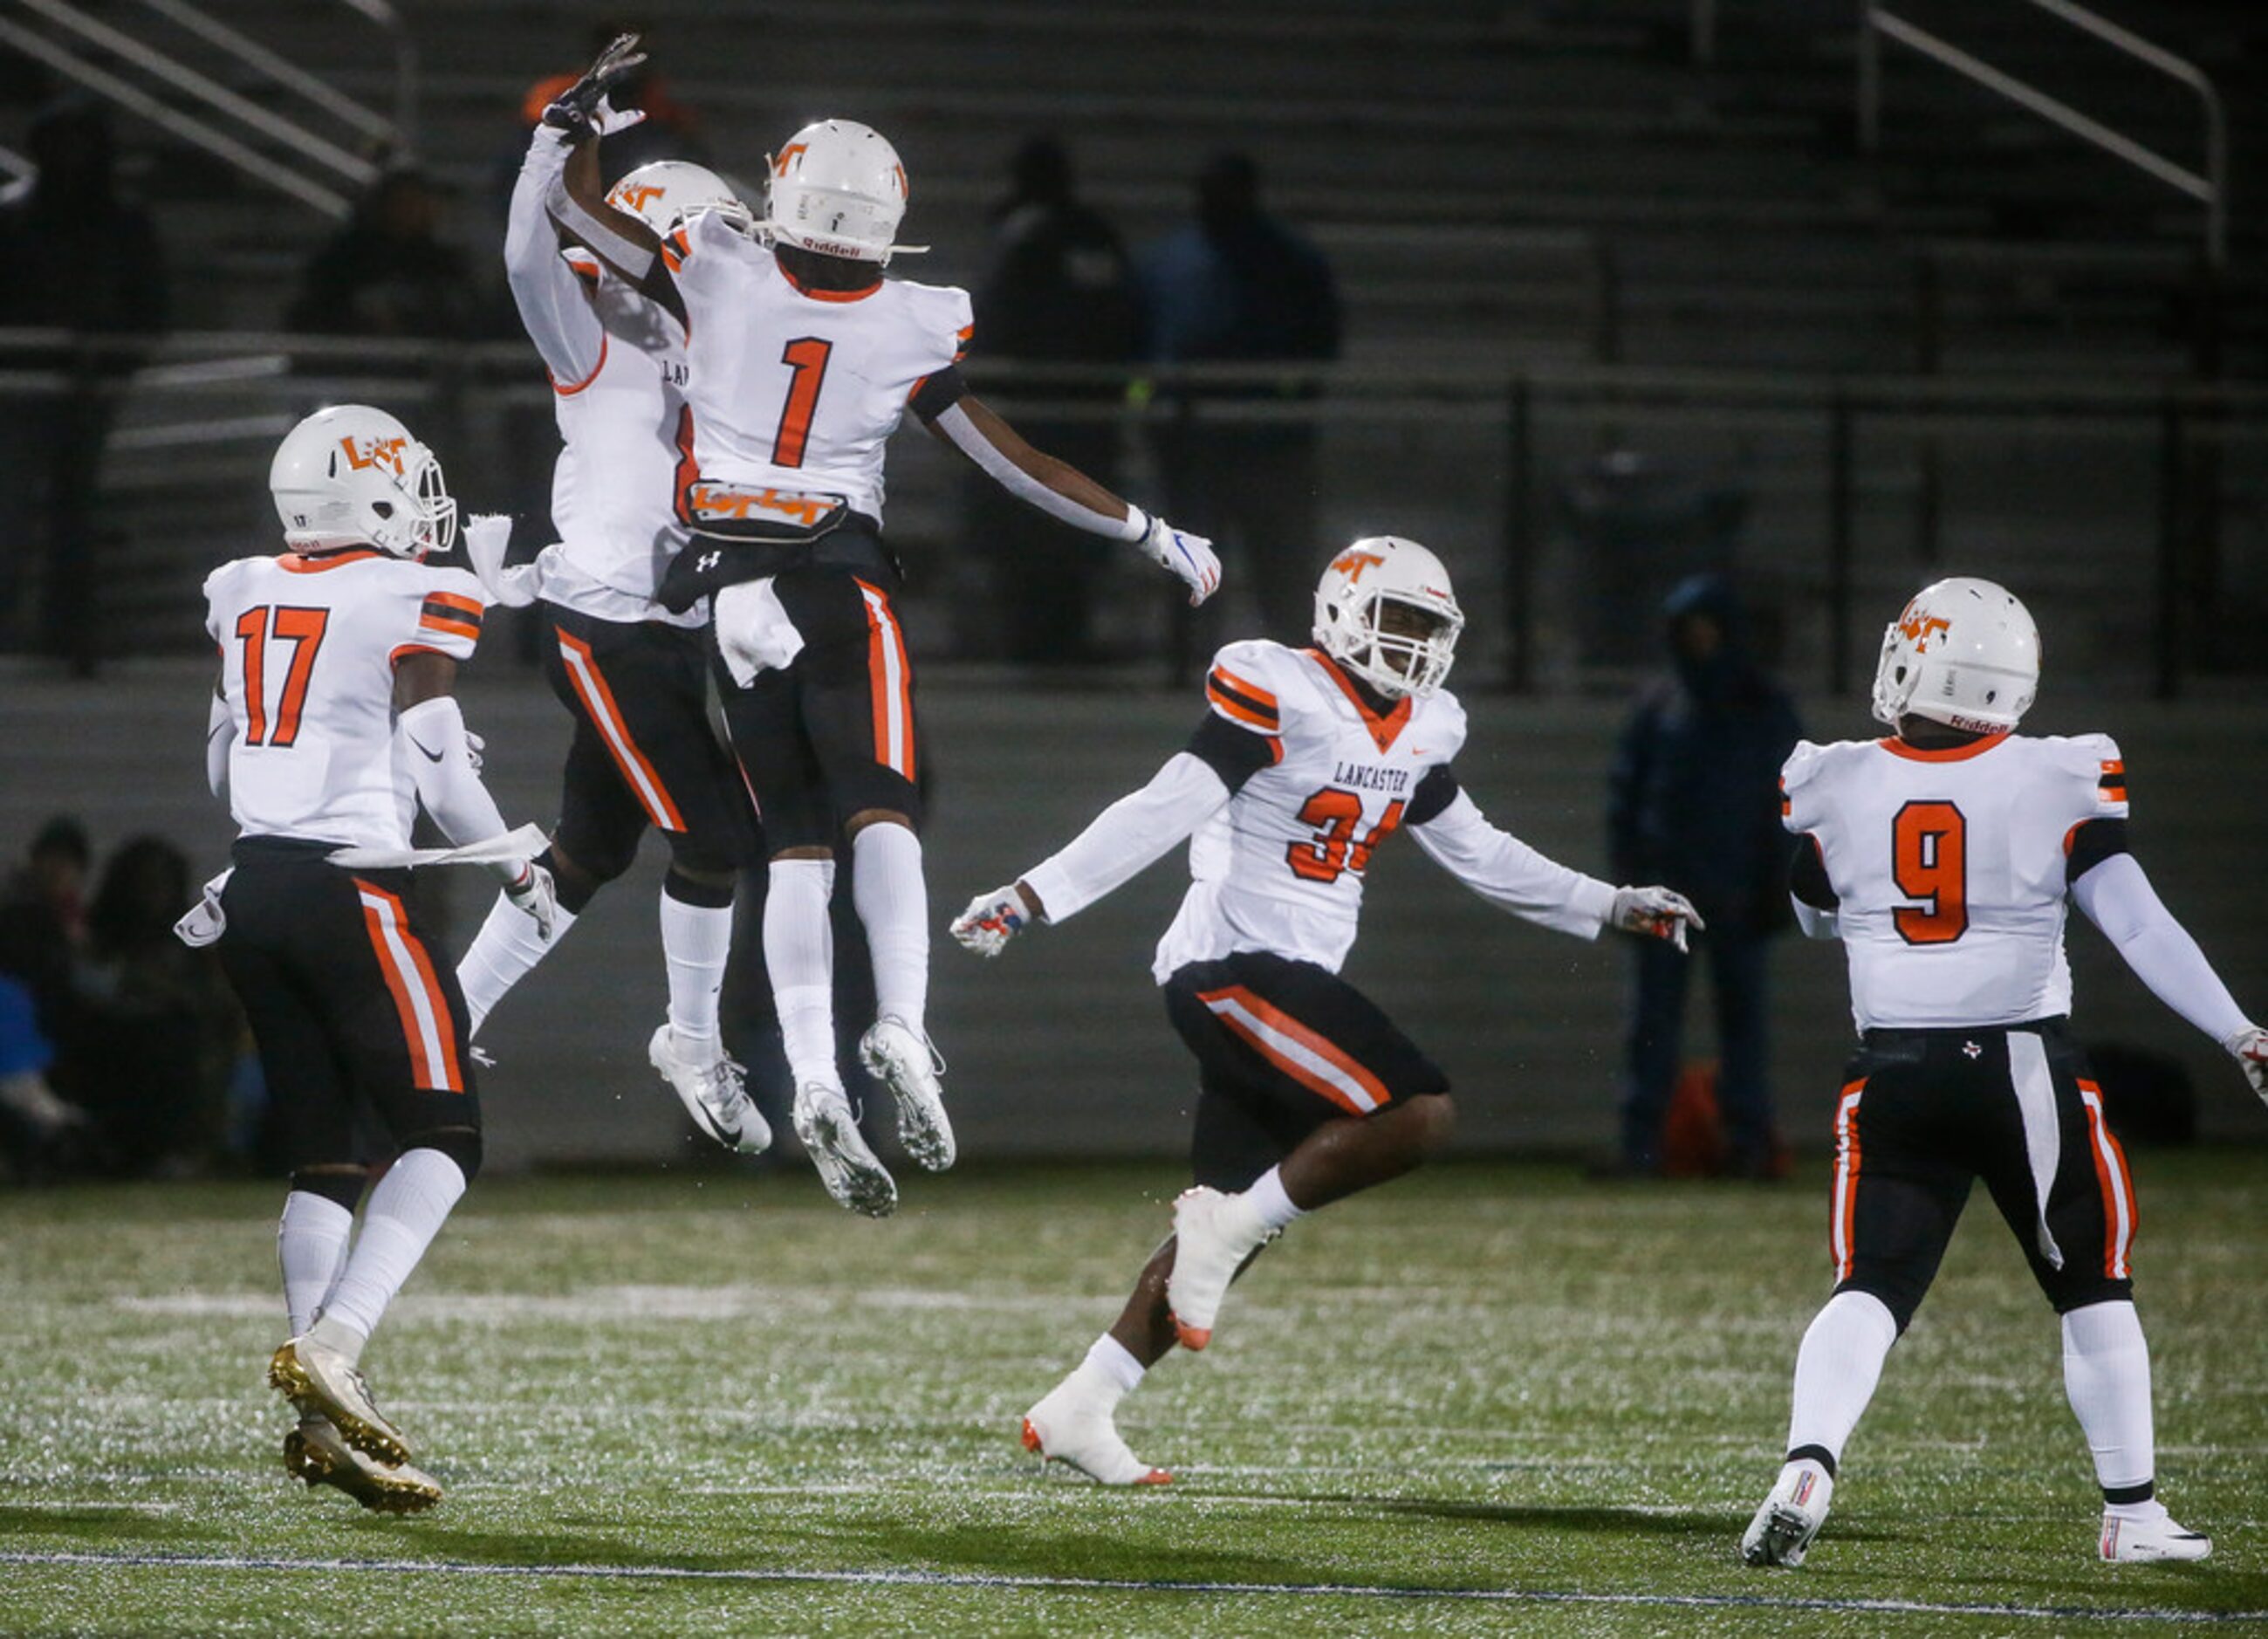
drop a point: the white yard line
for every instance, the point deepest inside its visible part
(1112, 1584)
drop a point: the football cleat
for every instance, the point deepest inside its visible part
(1790, 1516)
(1072, 1426)
(314, 1452)
(1213, 1234)
(712, 1093)
(830, 1134)
(323, 1382)
(2137, 1541)
(902, 1059)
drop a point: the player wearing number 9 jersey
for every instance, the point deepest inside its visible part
(1305, 762)
(1942, 857)
(334, 721)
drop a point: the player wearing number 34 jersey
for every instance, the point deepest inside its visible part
(1942, 858)
(1306, 762)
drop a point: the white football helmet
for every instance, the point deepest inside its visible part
(836, 187)
(1964, 652)
(1350, 604)
(665, 193)
(352, 476)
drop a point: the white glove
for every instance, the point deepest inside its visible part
(608, 119)
(1654, 912)
(487, 537)
(992, 920)
(1189, 556)
(529, 889)
(2250, 1048)
(474, 746)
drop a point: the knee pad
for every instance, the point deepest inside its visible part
(597, 853)
(460, 1144)
(342, 1185)
(692, 857)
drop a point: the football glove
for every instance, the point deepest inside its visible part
(1655, 913)
(992, 920)
(529, 889)
(575, 110)
(2250, 1048)
(1189, 556)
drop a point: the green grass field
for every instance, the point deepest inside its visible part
(1489, 1399)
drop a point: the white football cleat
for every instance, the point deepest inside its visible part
(1213, 1234)
(2135, 1541)
(712, 1094)
(1072, 1425)
(317, 1453)
(902, 1058)
(830, 1134)
(1791, 1517)
(323, 1382)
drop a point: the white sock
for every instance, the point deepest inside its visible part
(501, 953)
(1267, 1198)
(1111, 1368)
(893, 901)
(799, 952)
(311, 1243)
(406, 1212)
(1837, 1369)
(695, 939)
(2106, 1374)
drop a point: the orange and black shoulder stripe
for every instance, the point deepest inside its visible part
(2112, 784)
(675, 249)
(1786, 807)
(1246, 701)
(451, 614)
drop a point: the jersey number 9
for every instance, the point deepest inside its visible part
(1929, 861)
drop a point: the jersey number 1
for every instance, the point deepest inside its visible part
(807, 357)
(303, 630)
(1929, 860)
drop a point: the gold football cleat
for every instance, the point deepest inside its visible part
(323, 1382)
(315, 1452)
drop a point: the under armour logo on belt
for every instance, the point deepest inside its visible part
(1972, 1050)
(707, 562)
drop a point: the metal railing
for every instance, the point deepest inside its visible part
(2210, 188)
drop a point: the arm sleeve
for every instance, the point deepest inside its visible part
(634, 262)
(1507, 872)
(429, 738)
(954, 421)
(548, 294)
(1232, 753)
(1808, 889)
(938, 392)
(220, 735)
(2117, 898)
(1132, 833)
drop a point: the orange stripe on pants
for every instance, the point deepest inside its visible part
(1842, 1215)
(599, 700)
(1314, 1061)
(427, 1028)
(891, 676)
(2110, 1175)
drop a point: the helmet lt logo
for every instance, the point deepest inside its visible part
(1919, 628)
(787, 154)
(1352, 564)
(375, 452)
(636, 196)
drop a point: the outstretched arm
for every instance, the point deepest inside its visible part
(553, 306)
(1063, 491)
(432, 742)
(2117, 898)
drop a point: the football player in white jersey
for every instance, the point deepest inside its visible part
(332, 722)
(633, 675)
(1942, 856)
(805, 359)
(1306, 761)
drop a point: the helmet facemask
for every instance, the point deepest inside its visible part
(1396, 642)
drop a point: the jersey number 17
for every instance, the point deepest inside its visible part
(301, 628)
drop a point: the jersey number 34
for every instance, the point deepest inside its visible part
(1334, 848)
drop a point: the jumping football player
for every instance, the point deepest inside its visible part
(633, 675)
(333, 720)
(1307, 760)
(1941, 856)
(805, 359)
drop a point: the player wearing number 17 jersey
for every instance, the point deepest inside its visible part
(1942, 857)
(1306, 762)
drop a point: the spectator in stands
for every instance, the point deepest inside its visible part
(42, 935)
(1694, 804)
(1237, 285)
(389, 273)
(1058, 289)
(76, 254)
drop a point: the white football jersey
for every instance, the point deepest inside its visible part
(308, 647)
(801, 389)
(1281, 867)
(1949, 868)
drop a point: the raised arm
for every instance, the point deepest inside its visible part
(1063, 491)
(554, 305)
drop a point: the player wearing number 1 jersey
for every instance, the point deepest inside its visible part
(1306, 761)
(333, 721)
(1942, 858)
(804, 359)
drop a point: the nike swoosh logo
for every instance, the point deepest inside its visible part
(431, 757)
